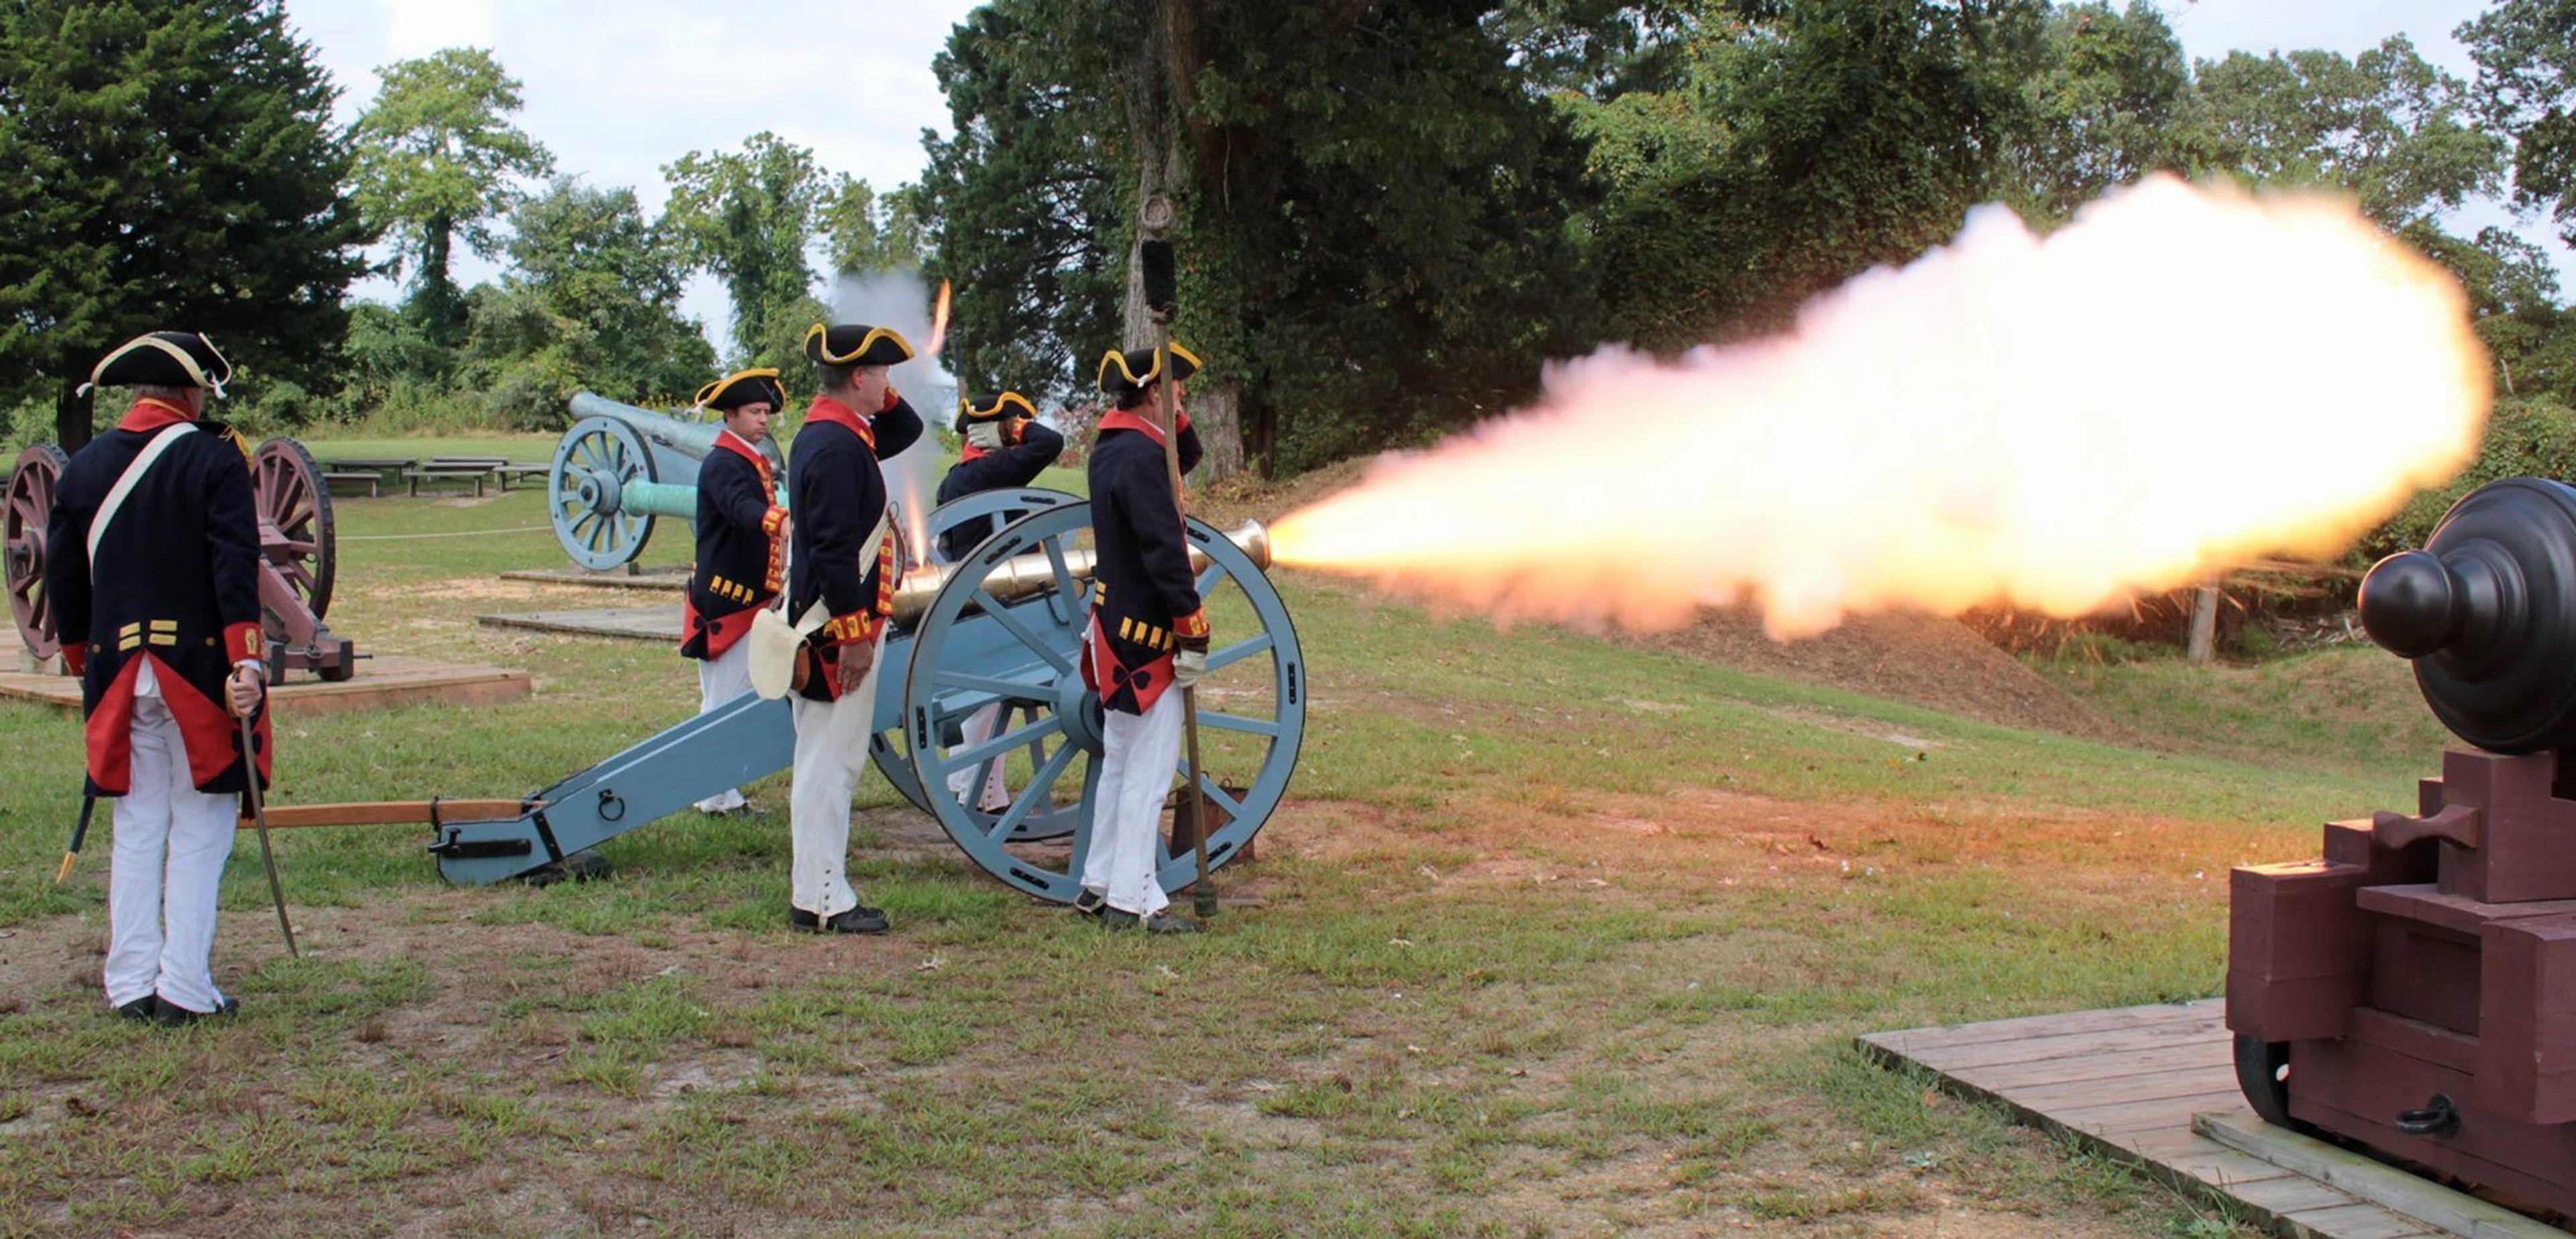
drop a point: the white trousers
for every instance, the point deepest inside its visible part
(171, 844)
(721, 679)
(979, 728)
(1138, 755)
(831, 751)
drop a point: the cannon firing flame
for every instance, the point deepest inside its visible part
(2182, 377)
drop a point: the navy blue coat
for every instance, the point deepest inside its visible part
(176, 581)
(738, 561)
(840, 494)
(1149, 604)
(1002, 469)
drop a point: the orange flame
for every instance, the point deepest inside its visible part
(2181, 378)
(939, 320)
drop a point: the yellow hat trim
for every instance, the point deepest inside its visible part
(714, 389)
(178, 354)
(1118, 359)
(994, 410)
(865, 343)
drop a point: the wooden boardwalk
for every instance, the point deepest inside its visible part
(2127, 1082)
(670, 577)
(382, 681)
(661, 623)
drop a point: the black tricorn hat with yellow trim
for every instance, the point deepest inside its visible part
(1007, 405)
(1134, 369)
(855, 344)
(743, 387)
(163, 359)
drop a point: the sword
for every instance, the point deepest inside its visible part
(80, 831)
(259, 818)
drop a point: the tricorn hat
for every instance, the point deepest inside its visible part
(163, 359)
(985, 427)
(1136, 368)
(743, 387)
(1009, 404)
(855, 344)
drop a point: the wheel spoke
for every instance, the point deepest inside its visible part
(974, 755)
(1216, 794)
(1239, 651)
(1000, 614)
(1039, 791)
(989, 684)
(1237, 722)
(1208, 579)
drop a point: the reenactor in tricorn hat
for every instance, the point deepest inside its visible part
(1006, 447)
(1148, 634)
(843, 550)
(152, 565)
(742, 544)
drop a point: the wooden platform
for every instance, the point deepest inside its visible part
(2129, 1082)
(671, 577)
(381, 683)
(661, 623)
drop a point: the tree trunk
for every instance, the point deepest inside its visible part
(1166, 55)
(2203, 644)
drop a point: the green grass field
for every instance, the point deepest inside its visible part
(1554, 935)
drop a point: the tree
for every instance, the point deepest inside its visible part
(2526, 56)
(171, 165)
(1804, 144)
(2389, 126)
(592, 302)
(1374, 208)
(2100, 105)
(436, 154)
(864, 231)
(748, 216)
(1027, 209)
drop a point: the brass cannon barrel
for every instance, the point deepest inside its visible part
(1027, 575)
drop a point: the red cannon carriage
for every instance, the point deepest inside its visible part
(2414, 990)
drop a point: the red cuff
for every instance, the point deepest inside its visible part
(771, 520)
(893, 398)
(242, 641)
(76, 656)
(1193, 625)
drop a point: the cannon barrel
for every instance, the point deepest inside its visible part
(2487, 613)
(617, 469)
(1024, 575)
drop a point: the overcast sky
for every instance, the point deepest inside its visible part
(618, 88)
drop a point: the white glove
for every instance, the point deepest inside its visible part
(1188, 666)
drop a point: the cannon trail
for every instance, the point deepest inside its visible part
(2181, 377)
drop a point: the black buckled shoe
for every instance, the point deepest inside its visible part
(173, 1015)
(1158, 923)
(1090, 903)
(142, 1010)
(861, 919)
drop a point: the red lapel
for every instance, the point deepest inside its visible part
(732, 442)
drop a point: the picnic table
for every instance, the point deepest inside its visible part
(371, 470)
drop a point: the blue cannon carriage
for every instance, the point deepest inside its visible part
(1000, 627)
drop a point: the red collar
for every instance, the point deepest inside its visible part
(150, 414)
(1130, 419)
(827, 409)
(733, 443)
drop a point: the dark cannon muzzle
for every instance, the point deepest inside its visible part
(2487, 612)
